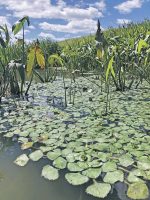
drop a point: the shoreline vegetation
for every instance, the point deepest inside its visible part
(83, 104)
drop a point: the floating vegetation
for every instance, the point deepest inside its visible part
(79, 138)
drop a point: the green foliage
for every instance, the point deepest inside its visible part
(20, 24)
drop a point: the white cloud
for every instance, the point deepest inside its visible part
(128, 6)
(123, 21)
(86, 26)
(4, 20)
(51, 36)
(101, 5)
(44, 9)
(31, 27)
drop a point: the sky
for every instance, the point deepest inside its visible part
(60, 19)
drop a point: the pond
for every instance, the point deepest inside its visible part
(79, 143)
(27, 184)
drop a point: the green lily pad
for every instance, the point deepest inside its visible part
(36, 155)
(50, 172)
(99, 190)
(53, 155)
(22, 160)
(26, 145)
(113, 177)
(145, 165)
(126, 160)
(76, 178)
(74, 167)
(138, 191)
(60, 163)
(132, 178)
(109, 166)
(92, 172)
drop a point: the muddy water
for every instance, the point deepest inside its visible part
(25, 183)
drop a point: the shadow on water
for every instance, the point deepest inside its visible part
(25, 183)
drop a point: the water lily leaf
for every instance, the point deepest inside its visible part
(50, 172)
(60, 163)
(109, 166)
(76, 178)
(132, 178)
(45, 148)
(126, 160)
(74, 167)
(22, 160)
(99, 190)
(145, 165)
(52, 155)
(65, 152)
(36, 155)
(26, 145)
(92, 172)
(9, 134)
(113, 177)
(138, 191)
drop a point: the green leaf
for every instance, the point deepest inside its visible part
(76, 178)
(126, 160)
(19, 25)
(60, 163)
(109, 166)
(36, 155)
(55, 59)
(132, 178)
(74, 167)
(110, 68)
(40, 57)
(92, 172)
(26, 145)
(30, 61)
(141, 44)
(53, 155)
(99, 190)
(50, 172)
(22, 160)
(113, 177)
(145, 164)
(138, 191)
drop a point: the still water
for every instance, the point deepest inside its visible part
(26, 183)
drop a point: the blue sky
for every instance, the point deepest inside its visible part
(60, 19)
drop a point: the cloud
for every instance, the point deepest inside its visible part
(86, 26)
(31, 27)
(4, 20)
(45, 9)
(128, 6)
(123, 21)
(101, 5)
(51, 36)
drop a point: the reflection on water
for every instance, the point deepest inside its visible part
(25, 183)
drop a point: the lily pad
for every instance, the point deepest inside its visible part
(109, 166)
(53, 155)
(36, 155)
(138, 191)
(26, 145)
(99, 190)
(50, 172)
(74, 167)
(60, 163)
(126, 160)
(92, 172)
(22, 160)
(76, 178)
(113, 177)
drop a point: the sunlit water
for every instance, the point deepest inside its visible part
(26, 183)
